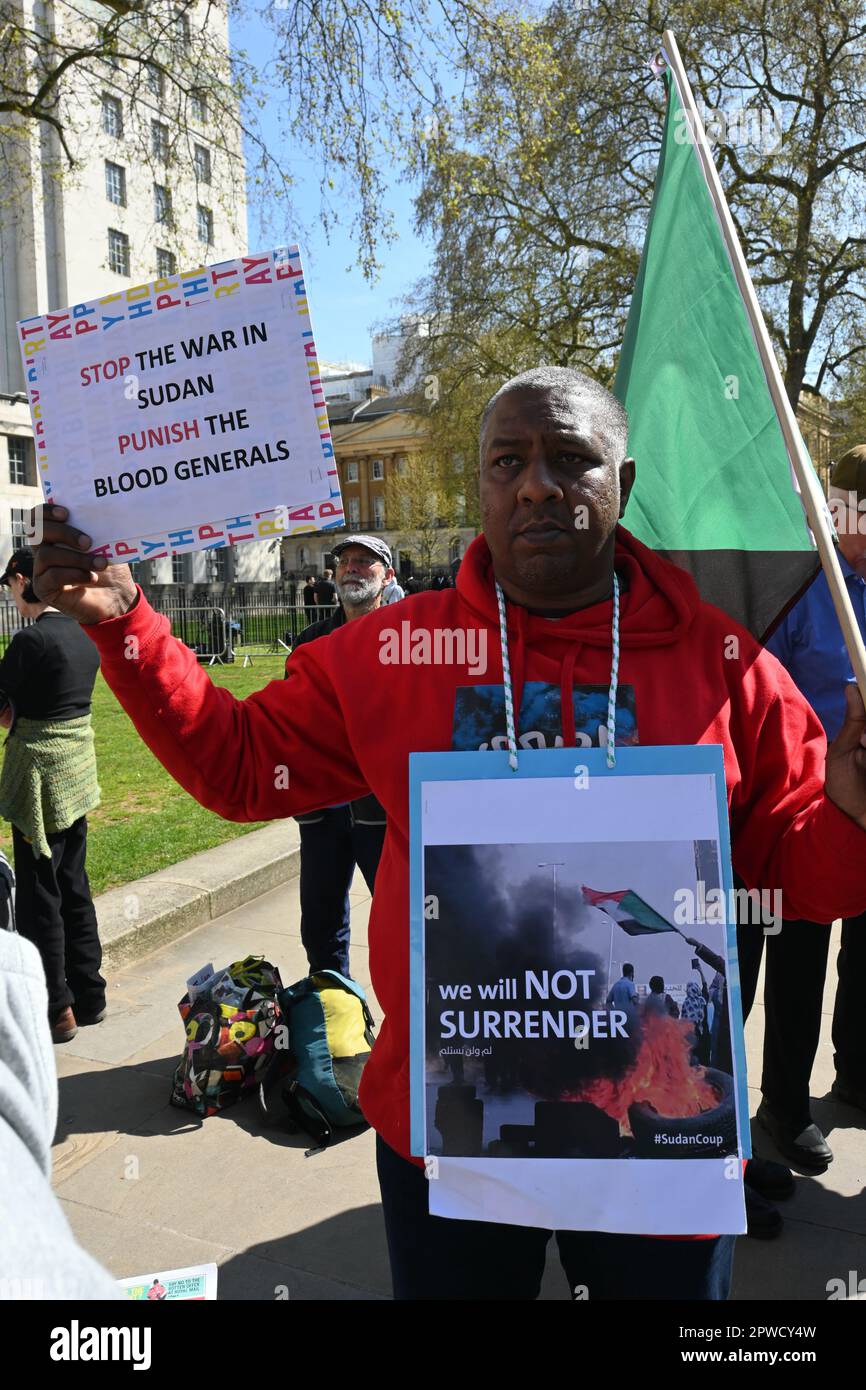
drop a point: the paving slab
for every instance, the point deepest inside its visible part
(798, 1265)
(97, 1107)
(243, 1274)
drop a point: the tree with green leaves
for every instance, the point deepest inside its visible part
(424, 511)
(363, 83)
(538, 185)
(851, 412)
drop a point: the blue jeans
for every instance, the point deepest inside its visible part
(435, 1258)
(330, 849)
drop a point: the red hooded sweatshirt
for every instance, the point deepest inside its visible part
(345, 721)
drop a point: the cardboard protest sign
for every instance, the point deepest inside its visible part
(576, 1053)
(161, 407)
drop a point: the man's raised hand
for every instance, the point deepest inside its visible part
(69, 577)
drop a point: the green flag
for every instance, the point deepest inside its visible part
(628, 910)
(714, 490)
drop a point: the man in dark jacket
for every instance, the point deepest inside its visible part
(326, 593)
(336, 838)
(309, 599)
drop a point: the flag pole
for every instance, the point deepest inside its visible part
(811, 493)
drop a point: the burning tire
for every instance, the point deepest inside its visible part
(657, 1136)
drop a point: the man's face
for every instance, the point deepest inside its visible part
(361, 575)
(553, 485)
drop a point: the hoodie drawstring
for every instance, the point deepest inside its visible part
(506, 680)
(510, 727)
(614, 677)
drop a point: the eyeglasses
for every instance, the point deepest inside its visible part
(361, 563)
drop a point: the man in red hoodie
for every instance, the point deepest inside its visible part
(554, 480)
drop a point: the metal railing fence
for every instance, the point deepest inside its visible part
(216, 632)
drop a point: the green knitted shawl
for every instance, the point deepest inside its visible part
(49, 777)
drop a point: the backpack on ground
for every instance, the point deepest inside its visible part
(231, 1018)
(314, 1081)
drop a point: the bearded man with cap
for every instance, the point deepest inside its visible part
(47, 789)
(810, 644)
(337, 838)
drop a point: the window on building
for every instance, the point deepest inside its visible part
(351, 472)
(161, 203)
(159, 141)
(112, 115)
(219, 565)
(179, 568)
(115, 183)
(155, 81)
(402, 465)
(118, 252)
(205, 225)
(17, 460)
(378, 469)
(201, 159)
(143, 571)
(378, 512)
(166, 265)
(181, 29)
(19, 517)
(354, 511)
(198, 106)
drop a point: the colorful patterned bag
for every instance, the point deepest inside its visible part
(231, 1019)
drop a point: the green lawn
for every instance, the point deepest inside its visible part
(146, 821)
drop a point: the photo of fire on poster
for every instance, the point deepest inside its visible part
(580, 1023)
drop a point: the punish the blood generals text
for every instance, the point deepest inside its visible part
(206, 465)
